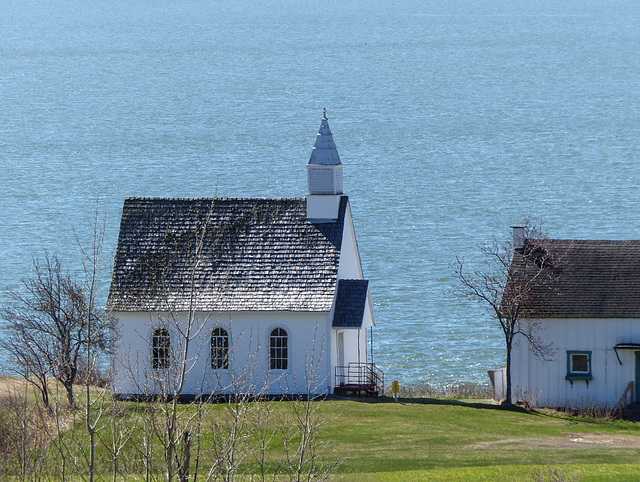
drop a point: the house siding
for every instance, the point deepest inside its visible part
(544, 384)
(249, 340)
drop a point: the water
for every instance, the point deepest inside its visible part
(454, 119)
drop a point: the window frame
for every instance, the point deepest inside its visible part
(160, 348)
(572, 374)
(278, 354)
(219, 352)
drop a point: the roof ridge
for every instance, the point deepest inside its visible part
(211, 198)
(597, 241)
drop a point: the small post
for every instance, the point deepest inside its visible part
(395, 389)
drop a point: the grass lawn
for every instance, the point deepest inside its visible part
(439, 439)
(446, 439)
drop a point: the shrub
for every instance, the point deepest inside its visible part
(449, 390)
(97, 377)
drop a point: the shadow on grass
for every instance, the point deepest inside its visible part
(482, 405)
(440, 401)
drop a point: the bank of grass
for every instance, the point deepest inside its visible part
(534, 473)
(446, 438)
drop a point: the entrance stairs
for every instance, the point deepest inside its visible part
(357, 378)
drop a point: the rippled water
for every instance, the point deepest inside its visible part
(454, 120)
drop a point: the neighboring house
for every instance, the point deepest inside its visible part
(590, 315)
(273, 289)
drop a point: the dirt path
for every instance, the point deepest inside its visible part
(569, 441)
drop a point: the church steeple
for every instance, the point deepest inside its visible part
(324, 176)
(324, 171)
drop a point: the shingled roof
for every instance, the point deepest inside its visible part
(256, 255)
(350, 303)
(591, 279)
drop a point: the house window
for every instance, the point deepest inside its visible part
(219, 349)
(578, 365)
(278, 349)
(161, 345)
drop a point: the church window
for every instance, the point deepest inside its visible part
(278, 349)
(219, 349)
(161, 346)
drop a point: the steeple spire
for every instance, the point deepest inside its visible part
(324, 175)
(324, 171)
(324, 151)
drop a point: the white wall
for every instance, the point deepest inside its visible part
(323, 206)
(310, 338)
(349, 267)
(544, 384)
(355, 345)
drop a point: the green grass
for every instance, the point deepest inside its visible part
(448, 439)
(626, 472)
(439, 439)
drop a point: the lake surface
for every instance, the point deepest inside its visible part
(454, 119)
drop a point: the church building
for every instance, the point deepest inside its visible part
(217, 296)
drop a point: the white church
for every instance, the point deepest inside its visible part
(217, 296)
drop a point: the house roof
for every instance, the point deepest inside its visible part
(256, 255)
(350, 303)
(591, 279)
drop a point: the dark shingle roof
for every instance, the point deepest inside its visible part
(257, 255)
(350, 303)
(592, 279)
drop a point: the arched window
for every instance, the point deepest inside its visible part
(278, 349)
(219, 349)
(161, 345)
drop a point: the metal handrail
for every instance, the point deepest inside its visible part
(622, 403)
(360, 374)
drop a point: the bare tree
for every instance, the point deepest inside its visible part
(28, 364)
(169, 423)
(233, 429)
(98, 327)
(178, 433)
(506, 282)
(116, 431)
(45, 329)
(305, 455)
